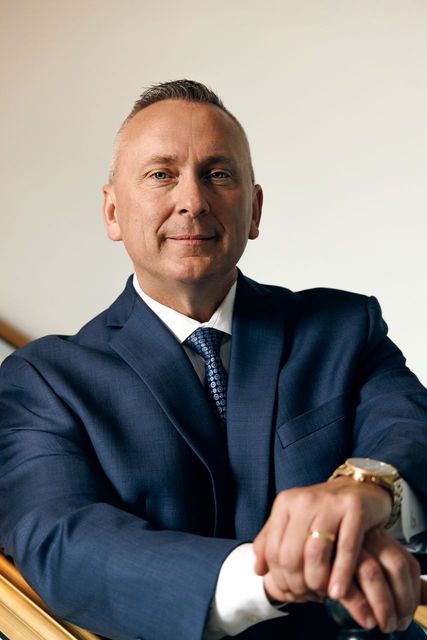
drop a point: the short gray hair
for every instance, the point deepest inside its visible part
(189, 90)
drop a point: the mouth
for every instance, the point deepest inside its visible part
(193, 240)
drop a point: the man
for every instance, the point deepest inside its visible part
(131, 492)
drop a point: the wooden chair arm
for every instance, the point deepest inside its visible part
(24, 615)
(12, 336)
(420, 616)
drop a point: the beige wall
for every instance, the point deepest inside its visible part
(333, 94)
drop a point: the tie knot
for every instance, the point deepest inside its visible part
(206, 341)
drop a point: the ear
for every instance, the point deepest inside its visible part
(110, 213)
(256, 212)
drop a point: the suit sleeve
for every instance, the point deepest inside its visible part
(391, 416)
(93, 562)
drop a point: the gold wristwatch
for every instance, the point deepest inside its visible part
(375, 472)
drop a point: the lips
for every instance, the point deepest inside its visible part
(192, 239)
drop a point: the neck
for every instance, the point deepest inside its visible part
(197, 300)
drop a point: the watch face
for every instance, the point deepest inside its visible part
(373, 466)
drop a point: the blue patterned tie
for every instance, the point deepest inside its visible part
(207, 342)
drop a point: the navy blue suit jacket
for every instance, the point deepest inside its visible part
(121, 497)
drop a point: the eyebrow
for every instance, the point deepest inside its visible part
(160, 159)
(218, 159)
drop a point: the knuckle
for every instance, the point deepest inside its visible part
(400, 565)
(282, 496)
(355, 503)
(280, 504)
(304, 500)
(370, 571)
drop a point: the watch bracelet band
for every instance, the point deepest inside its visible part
(396, 503)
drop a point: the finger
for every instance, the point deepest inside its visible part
(281, 544)
(358, 607)
(347, 552)
(319, 551)
(272, 539)
(375, 587)
(400, 570)
(290, 557)
(267, 543)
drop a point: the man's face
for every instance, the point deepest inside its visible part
(181, 197)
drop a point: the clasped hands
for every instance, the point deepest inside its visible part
(370, 573)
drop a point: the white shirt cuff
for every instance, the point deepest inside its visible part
(240, 600)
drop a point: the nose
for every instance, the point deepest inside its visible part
(191, 196)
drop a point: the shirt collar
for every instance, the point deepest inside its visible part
(182, 326)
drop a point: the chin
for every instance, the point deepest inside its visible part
(194, 269)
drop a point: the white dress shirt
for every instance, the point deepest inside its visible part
(240, 600)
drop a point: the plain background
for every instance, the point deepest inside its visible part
(332, 93)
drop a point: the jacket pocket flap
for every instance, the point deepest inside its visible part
(314, 420)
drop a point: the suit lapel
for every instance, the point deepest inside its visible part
(148, 346)
(261, 327)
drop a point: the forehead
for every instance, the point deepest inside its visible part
(178, 127)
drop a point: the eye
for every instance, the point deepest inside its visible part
(159, 175)
(218, 175)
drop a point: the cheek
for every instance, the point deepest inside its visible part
(132, 226)
(148, 210)
(241, 222)
(143, 230)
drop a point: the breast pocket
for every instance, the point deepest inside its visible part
(311, 445)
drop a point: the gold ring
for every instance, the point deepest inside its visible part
(315, 533)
